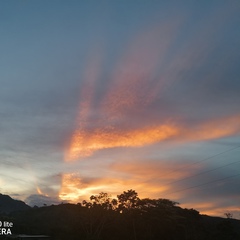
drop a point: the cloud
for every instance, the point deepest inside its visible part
(149, 179)
(213, 129)
(160, 88)
(175, 179)
(42, 200)
(73, 189)
(86, 143)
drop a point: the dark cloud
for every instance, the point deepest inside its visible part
(41, 200)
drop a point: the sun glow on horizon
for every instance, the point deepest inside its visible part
(73, 190)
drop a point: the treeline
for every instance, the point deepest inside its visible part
(126, 218)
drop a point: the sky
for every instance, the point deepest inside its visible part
(106, 96)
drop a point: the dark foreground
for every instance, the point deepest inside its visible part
(125, 218)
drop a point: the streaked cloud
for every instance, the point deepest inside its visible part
(84, 144)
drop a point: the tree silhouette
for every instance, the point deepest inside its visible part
(104, 200)
(128, 200)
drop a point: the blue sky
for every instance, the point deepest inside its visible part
(115, 95)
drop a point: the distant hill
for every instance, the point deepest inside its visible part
(8, 205)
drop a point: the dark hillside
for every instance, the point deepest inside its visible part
(7, 204)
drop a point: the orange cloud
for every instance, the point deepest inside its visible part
(149, 179)
(132, 85)
(137, 80)
(74, 190)
(163, 171)
(211, 209)
(88, 89)
(133, 82)
(213, 129)
(39, 191)
(84, 144)
(70, 188)
(158, 177)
